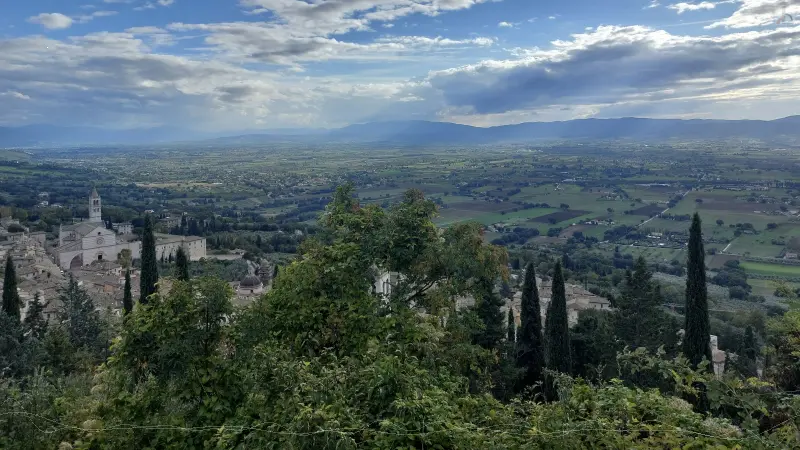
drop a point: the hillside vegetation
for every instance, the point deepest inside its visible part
(322, 362)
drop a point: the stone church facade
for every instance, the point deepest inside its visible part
(82, 243)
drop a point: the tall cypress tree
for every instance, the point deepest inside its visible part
(696, 340)
(556, 326)
(127, 297)
(530, 356)
(511, 333)
(182, 265)
(11, 301)
(149, 276)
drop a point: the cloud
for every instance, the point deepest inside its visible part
(683, 6)
(272, 72)
(653, 4)
(276, 44)
(89, 17)
(505, 25)
(617, 64)
(154, 5)
(756, 13)
(15, 95)
(339, 16)
(116, 78)
(52, 21)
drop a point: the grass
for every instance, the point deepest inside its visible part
(770, 269)
(755, 245)
(450, 216)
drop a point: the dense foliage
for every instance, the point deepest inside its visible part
(322, 361)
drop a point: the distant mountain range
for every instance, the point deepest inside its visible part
(421, 132)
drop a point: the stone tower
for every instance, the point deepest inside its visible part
(95, 214)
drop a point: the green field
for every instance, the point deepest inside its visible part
(777, 270)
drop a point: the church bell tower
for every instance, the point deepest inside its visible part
(95, 214)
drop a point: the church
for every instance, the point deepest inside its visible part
(82, 243)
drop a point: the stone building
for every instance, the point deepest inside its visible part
(82, 243)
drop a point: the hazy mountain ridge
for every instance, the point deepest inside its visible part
(422, 132)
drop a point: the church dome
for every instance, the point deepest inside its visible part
(250, 281)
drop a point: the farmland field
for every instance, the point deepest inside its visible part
(560, 216)
(778, 270)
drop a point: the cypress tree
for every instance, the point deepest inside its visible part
(182, 265)
(149, 276)
(35, 322)
(556, 326)
(696, 340)
(511, 333)
(530, 355)
(127, 297)
(11, 301)
(750, 346)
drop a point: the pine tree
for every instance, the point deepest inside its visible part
(511, 334)
(640, 321)
(149, 275)
(696, 340)
(182, 265)
(83, 322)
(530, 355)
(127, 297)
(35, 323)
(11, 301)
(557, 326)
(259, 242)
(489, 311)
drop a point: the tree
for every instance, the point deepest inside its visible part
(79, 315)
(556, 326)
(639, 318)
(149, 275)
(720, 222)
(127, 297)
(511, 334)
(505, 290)
(124, 258)
(746, 361)
(181, 265)
(530, 356)
(594, 345)
(35, 323)
(697, 335)
(488, 309)
(11, 301)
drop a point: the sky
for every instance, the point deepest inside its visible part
(220, 65)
